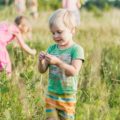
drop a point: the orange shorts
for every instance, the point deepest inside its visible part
(60, 106)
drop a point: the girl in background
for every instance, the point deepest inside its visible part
(8, 33)
(20, 6)
(33, 6)
(73, 6)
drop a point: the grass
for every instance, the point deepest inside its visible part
(22, 97)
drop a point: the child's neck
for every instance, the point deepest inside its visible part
(66, 45)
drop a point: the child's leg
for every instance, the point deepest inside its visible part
(51, 112)
(1, 68)
(62, 106)
(5, 63)
(64, 115)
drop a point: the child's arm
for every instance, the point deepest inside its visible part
(70, 70)
(23, 45)
(42, 63)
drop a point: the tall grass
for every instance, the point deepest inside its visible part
(22, 96)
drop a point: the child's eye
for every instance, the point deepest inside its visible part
(59, 32)
(53, 33)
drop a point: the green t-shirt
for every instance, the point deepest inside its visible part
(58, 82)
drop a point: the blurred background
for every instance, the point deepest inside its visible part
(46, 4)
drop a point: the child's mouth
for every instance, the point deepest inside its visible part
(59, 40)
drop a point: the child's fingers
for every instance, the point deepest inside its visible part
(47, 59)
(48, 55)
(41, 55)
(40, 58)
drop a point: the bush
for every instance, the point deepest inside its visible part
(48, 4)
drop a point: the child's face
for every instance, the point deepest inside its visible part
(62, 35)
(24, 26)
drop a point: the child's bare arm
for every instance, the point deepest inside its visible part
(70, 70)
(23, 45)
(42, 63)
(42, 66)
(73, 69)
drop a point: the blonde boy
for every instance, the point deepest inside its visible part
(64, 60)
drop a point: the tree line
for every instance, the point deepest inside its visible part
(53, 4)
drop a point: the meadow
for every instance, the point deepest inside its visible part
(22, 96)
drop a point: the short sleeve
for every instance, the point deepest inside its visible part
(78, 53)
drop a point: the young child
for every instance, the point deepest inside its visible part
(64, 60)
(20, 6)
(8, 33)
(33, 6)
(73, 5)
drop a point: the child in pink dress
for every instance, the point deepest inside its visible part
(73, 5)
(8, 33)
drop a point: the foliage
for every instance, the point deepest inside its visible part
(54, 4)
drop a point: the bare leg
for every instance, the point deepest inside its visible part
(55, 117)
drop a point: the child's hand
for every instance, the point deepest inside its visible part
(42, 63)
(42, 55)
(52, 59)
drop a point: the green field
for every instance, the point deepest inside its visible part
(22, 97)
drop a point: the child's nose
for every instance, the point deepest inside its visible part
(56, 35)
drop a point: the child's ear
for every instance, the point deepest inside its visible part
(73, 31)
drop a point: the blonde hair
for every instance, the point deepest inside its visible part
(65, 16)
